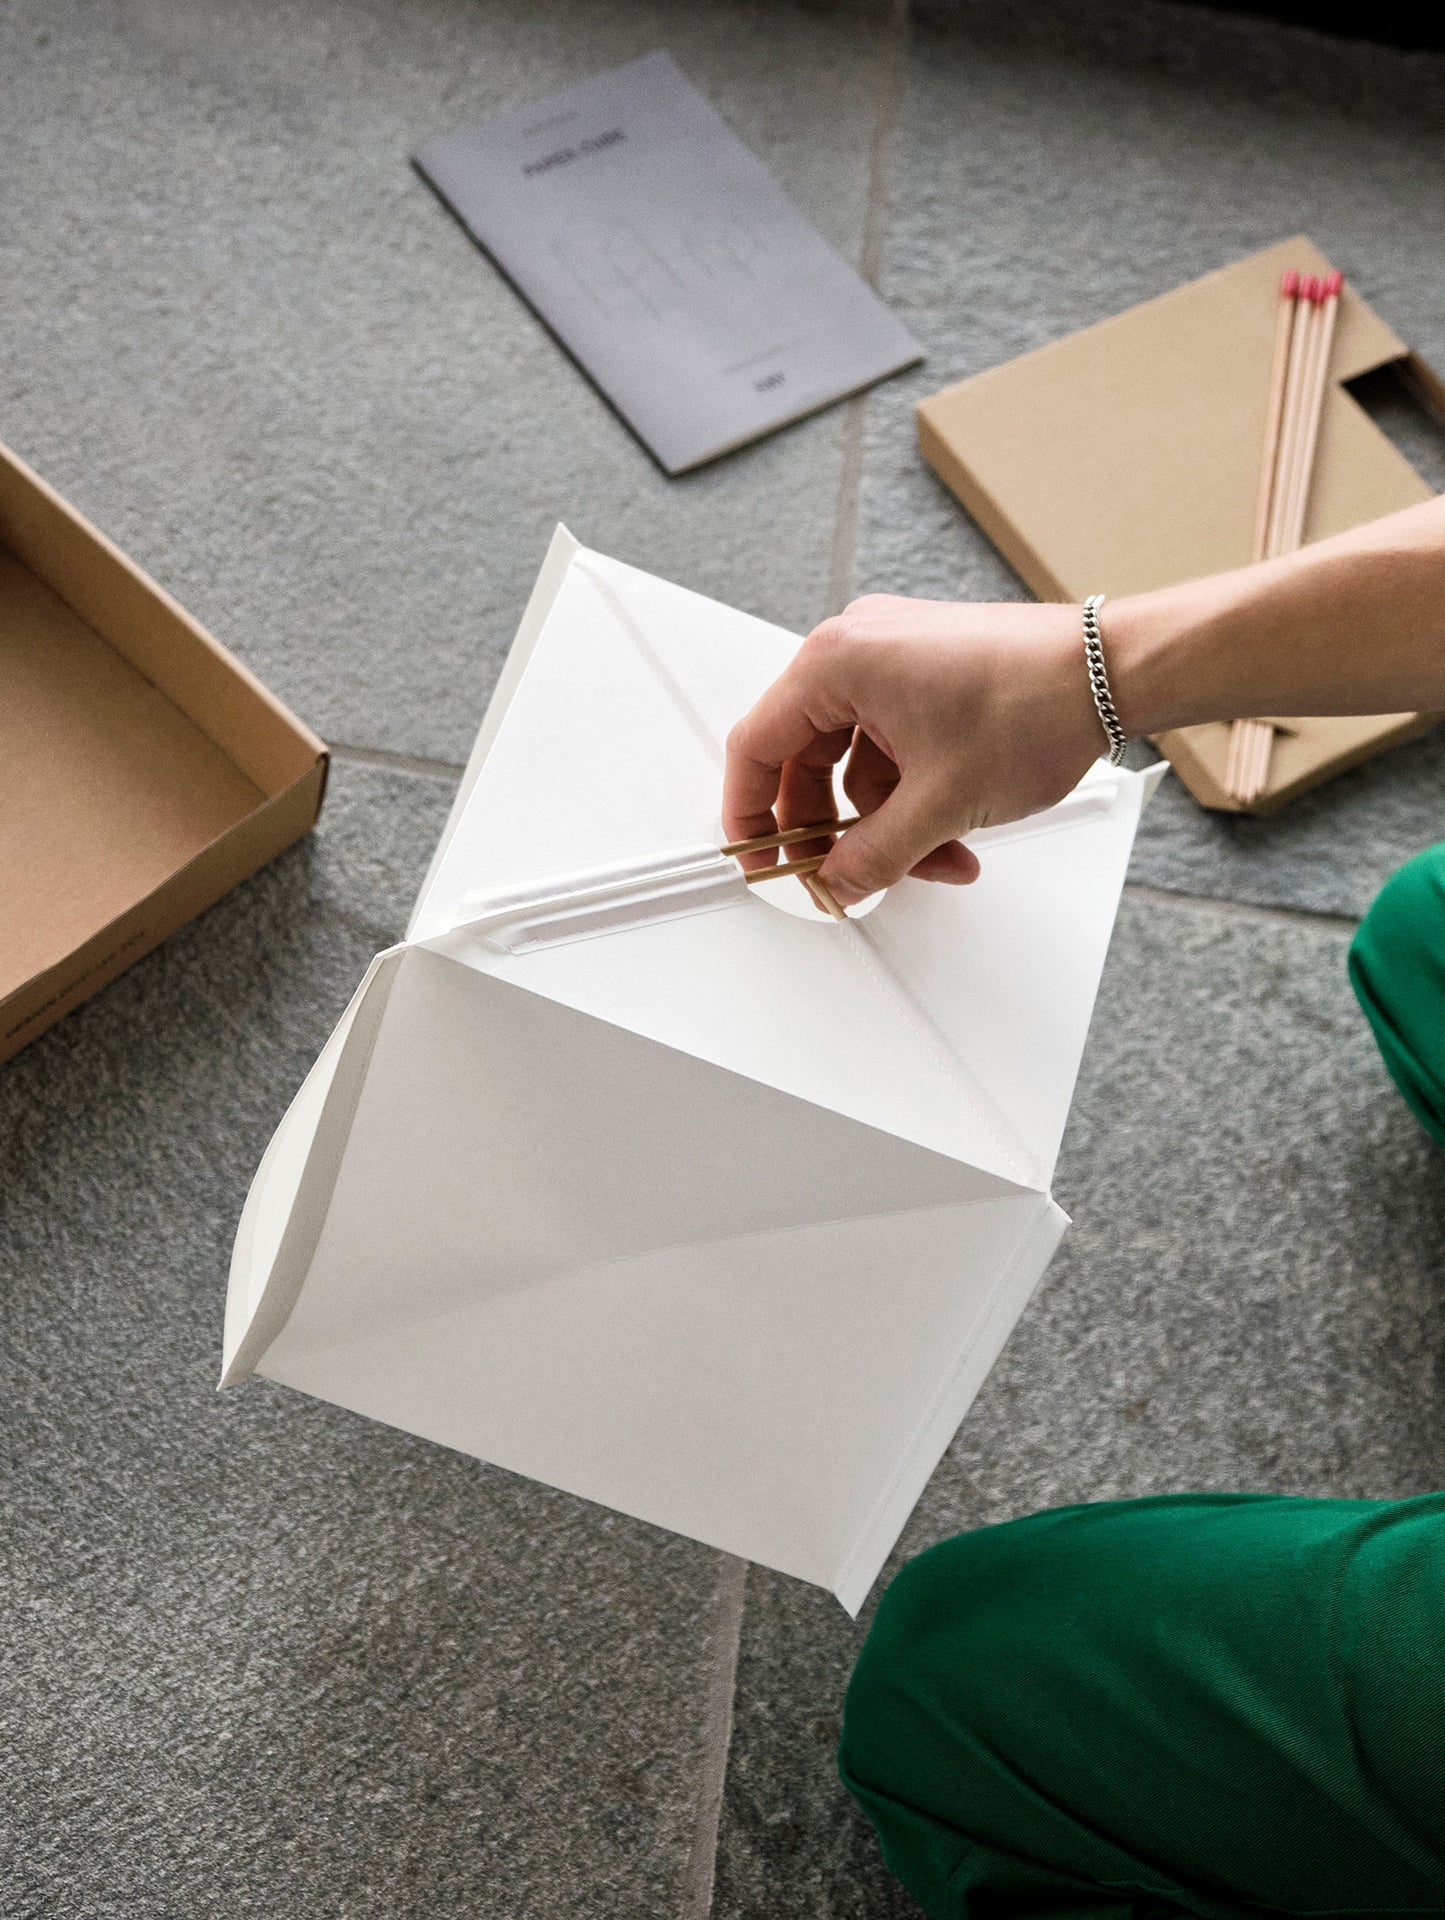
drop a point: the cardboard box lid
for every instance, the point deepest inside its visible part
(1126, 457)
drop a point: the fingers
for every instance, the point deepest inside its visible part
(870, 775)
(953, 863)
(806, 792)
(786, 747)
(780, 763)
(870, 779)
(908, 829)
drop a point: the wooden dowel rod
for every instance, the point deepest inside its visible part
(1287, 539)
(823, 894)
(1259, 766)
(1288, 450)
(785, 870)
(1274, 417)
(786, 838)
(1314, 407)
(1301, 335)
(1248, 761)
(1231, 759)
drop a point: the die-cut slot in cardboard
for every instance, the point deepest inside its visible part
(146, 771)
(1126, 457)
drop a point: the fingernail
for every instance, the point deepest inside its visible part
(845, 895)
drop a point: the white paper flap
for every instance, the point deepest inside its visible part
(662, 1286)
(603, 900)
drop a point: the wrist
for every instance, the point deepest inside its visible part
(1162, 666)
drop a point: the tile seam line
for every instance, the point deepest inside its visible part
(700, 1872)
(700, 1867)
(892, 76)
(420, 765)
(1242, 909)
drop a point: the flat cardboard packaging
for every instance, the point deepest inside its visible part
(145, 771)
(1127, 457)
(718, 1219)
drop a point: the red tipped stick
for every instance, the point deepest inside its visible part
(1306, 307)
(1313, 406)
(1293, 478)
(1296, 403)
(1284, 324)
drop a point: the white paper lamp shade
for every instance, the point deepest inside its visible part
(720, 1220)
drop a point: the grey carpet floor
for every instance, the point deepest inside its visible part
(259, 1656)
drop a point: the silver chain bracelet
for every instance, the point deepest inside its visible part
(1099, 680)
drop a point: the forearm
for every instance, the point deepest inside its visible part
(1354, 624)
(953, 717)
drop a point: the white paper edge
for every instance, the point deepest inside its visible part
(943, 1418)
(251, 1299)
(561, 552)
(259, 1305)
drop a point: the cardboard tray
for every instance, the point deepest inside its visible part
(146, 772)
(1126, 457)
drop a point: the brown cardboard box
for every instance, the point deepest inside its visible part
(143, 771)
(1127, 457)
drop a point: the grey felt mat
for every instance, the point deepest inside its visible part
(1249, 1298)
(1055, 164)
(246, 338)
(259, 1656)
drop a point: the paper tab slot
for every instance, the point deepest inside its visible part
(580, 906)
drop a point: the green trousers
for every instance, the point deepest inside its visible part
(1212, 1704)
(1397, 968)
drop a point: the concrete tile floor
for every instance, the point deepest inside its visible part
(265, 1654)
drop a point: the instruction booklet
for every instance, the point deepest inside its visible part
(668, 260)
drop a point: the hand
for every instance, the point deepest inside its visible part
(952, 717)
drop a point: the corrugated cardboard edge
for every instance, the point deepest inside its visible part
(1181, 749)
(287, 817)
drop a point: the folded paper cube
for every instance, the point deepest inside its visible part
(715, 1213)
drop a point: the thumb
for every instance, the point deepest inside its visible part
(884, 845)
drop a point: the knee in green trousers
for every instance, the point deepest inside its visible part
(1397, 968)
(1200, 1704)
